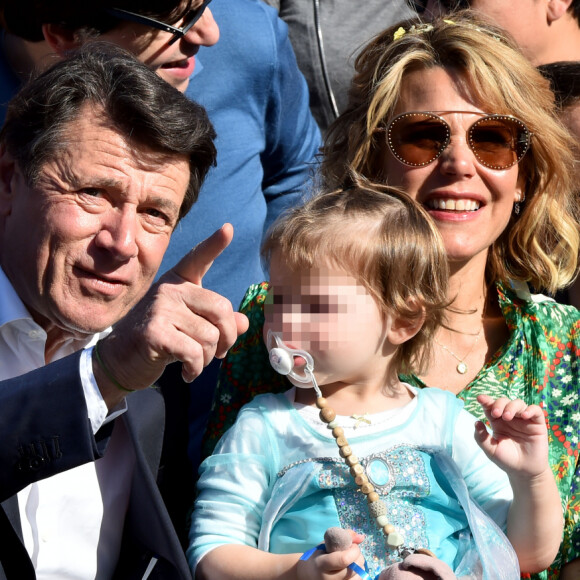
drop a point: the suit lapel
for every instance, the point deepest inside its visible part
(148, 527)
(11, 510)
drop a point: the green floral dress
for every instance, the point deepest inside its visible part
(540, 364)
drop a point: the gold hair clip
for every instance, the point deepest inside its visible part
(398, 33)
(415, 29)
(427, 27)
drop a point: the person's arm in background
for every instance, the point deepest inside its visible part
(293, 138)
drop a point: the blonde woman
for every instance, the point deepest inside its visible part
(452, 113)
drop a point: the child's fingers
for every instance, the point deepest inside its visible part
(485, 439)
(533, 413)
(505, 408)
(493, 408)
(357, 538)
(482, 435)
(512, 409)
(485, 400)
(337, 561)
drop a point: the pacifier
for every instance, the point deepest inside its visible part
(282, 361)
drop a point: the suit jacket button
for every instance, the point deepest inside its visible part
(35, 463)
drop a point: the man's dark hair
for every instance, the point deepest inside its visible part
(564, 80)
(88, 18)
(145, 109)
(575, 9)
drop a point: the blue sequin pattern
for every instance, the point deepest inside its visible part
(402, 482)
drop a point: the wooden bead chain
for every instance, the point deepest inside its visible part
(377, 506)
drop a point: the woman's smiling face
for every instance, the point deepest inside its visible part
(470, 203)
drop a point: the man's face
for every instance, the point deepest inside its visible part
(525, 20)
(174, 62)
(83, 245)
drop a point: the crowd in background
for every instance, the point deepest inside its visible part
(167, 257)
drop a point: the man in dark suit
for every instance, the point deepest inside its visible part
(99, 160)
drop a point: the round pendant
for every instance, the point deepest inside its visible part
(461, 368)
(380, 472)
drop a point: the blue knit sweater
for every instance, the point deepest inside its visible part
(267, 140)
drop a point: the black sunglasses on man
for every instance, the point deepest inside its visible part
(189, 20)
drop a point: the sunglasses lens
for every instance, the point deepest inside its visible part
(499, 142)
(417, 138)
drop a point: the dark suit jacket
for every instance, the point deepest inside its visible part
(44, 430)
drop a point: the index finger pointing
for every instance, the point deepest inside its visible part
(194, 265)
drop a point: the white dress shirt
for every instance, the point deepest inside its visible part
(71, 522)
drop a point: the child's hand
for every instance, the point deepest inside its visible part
(334, 565)
(419, 566)
(519, 442)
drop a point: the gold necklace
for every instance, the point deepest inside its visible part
(461, 367)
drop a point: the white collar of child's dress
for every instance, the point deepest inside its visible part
(353, 425)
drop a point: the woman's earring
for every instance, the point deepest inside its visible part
(519, 200)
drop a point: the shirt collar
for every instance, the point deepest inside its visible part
(11, 307)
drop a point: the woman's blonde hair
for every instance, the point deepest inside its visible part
(385, 240)
(540, 245)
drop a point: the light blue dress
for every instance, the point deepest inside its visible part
(276, 482)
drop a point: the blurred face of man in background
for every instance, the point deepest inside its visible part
(170, 54)
(530, 22)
